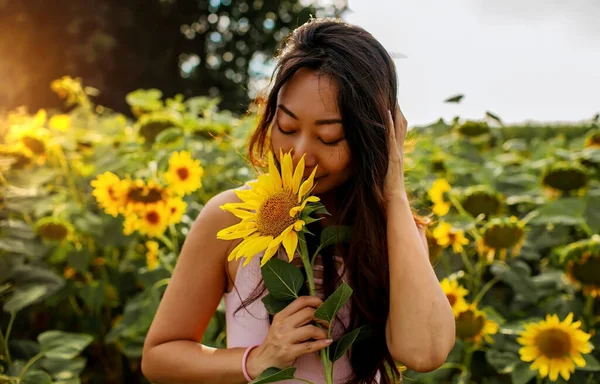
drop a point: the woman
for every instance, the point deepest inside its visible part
(333, 91)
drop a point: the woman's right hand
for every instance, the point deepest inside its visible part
(288, 337)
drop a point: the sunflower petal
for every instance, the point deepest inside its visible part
(298, 173)
(273, 171)
(290, 243)
(268, 255)
(307, 185)
(286, 169)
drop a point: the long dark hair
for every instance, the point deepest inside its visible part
(366, 76)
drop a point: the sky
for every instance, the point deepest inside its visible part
(519, 59)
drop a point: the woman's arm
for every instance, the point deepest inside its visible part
(420, 330)
(172, 350)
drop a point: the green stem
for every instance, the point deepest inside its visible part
(29, 364)
(313, 292)
(13, 315)
(173, 233)
(453, 366)
(484, 290)
(467, 262)
(4, 345)
(589, 312)
(166, 241)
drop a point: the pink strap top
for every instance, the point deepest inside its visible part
(249, 326)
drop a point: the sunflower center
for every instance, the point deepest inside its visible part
(554, 343)
(452, 298)
(503, 236)
(588, 271)
(183, 173)
(54, 231)
(145, 195)
(36, 146)
(274, 214)
(469, 325)
(153, 217)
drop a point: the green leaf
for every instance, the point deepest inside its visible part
(521, 374)
(592, 213)
(332, 305)
(503, 362)
(36, 377)
(591, 364)
(273, 375)
(62, 369)
(283, 280)
(93, 295)
(168, 135)
(519, 283)
(24, 298)
(454, 99)
(63, 345)
(566, 211)
(339, 347)
(493, 117)
(273, 305)
(335, 234)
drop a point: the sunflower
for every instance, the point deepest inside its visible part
(176, 208)
(446, 235)
(54, 230)
(60, 122)
(152, 255)
(581, 260)
(472, 325)
(110, 192)
(140, 194)
(151, 220)
(272, 211)
(437, 196)
(554, 346)
(500, 234)
(456, 295)
(185, 173)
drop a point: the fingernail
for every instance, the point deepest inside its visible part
(328, 341)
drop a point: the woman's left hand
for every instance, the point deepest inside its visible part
(394, 179)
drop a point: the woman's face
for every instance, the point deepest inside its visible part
(308, 121)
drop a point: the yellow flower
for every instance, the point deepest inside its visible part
(436, 194)
(472, 325)
(446, 235)
(176, 209)
(69, 272)
(60, 122)
(140, 194)
(152, 255)
(54, 230)
(441, 208)
(456, 295)
(184, 175)
(109, 191)
(271, 211)
(152, 220)
(500, 234)
(555, 347)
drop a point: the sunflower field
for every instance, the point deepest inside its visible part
(94, 208)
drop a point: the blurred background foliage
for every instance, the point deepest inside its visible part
(95, 201)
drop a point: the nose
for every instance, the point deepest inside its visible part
(310, 158)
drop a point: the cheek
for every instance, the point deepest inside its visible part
(337, 160)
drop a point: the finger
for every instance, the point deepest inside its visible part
(324, 323)
(307, 332)
(310, 347)
(391, 128)
(298, 304)
(302, 317)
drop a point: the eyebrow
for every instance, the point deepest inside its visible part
(317, 122)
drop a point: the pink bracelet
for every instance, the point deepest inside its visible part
(245, 359)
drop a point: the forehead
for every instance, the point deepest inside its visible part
(310, 95)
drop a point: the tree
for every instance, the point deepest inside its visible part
(194, 47)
